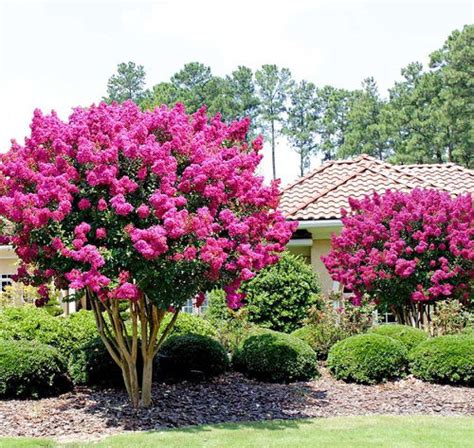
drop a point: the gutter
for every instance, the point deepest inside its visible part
(319, 224)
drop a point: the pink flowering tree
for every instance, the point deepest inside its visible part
(152, 208)
(406, 251)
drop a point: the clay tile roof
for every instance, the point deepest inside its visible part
(322, 193)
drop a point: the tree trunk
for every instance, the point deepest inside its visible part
(273, 149)
(123, 347)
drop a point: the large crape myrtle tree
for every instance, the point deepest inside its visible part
(152, 208)
(406, 251)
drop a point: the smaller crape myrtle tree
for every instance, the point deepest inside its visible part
(150, 207)
(406, 251)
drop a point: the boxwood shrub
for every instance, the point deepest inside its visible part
(367, 359)
(190, 356)
(409, 336)
(189, 323)
(444, 359)
(92, 365)
(275, 357)
(320, 337)
(29, 369)
(279, 296)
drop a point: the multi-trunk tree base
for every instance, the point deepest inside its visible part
(126, 341)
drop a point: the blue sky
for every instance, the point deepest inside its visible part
(56, 55)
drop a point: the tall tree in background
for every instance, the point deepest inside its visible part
(334, 106)
(416, 126)
(454, 63)
(240, 95)
(301, 124)
(365, 133)
(127, 84)
(272, 86)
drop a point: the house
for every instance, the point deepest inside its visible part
(315, 200)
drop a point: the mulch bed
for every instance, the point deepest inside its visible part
(87, 414)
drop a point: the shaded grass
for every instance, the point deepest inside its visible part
(337, 432)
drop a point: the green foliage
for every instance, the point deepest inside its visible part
(301, 124)
(127, 84)
(451, 317)
(275, 357)
(409, 336)
(92, 365)
(320, 337)
(444, 359)
(279, 296)
(31, 370)
(189, 323)
(273, 85)
(367, 359)
(190, 356)
(36, 324)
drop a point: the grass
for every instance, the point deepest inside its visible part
(338, 432)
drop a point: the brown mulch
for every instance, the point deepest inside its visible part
(86, 414)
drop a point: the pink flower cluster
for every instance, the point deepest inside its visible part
(401, 246)
(169, 198)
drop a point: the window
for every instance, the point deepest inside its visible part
(191, 308)
(5, 279)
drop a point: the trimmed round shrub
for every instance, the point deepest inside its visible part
(320, 337)
(30, 369)
(367, 359)
(35, 324)
(445, 359)
(279, 296)
(409, 336)
(190, 356)
(189, 323)
(275, 357)
(92, 365)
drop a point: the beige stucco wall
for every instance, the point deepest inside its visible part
(8, 261)
(319, 248)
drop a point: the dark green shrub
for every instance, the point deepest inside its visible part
(367, 358)
(190, 356)
(320, 337)
(36, 324)
(92, 365)
(409, 336)
(30, 369)
(276, 357)
(279, 296)
(189, 323)
(445, 359)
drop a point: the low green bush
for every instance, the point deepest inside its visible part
(30, 369)
(444, 359)
(409, 336)
(320, 337)
(279, 296)
(35, 324)
(190, 356)
(91, 365)
(367, 359)
(189, 323)
(275, 357)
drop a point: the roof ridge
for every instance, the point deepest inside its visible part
(324, 166)
(390, 166)
(324, 192)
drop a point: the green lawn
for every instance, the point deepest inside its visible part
(344, 432)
